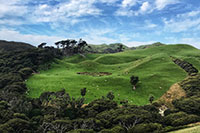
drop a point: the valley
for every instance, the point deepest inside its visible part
(154, 67)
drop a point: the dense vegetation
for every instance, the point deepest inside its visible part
(58, 112)
(9, 46)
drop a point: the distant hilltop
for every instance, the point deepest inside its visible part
(112, 48)
(94, 48)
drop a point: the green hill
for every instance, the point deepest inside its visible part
(112, 48)
(149, 46)
(154, 66)
(104, 48)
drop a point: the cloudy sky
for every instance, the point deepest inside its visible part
(132, 22)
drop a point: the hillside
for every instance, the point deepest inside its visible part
(65, 110)
(112, 48)
(154, 66)
(149, 46)
(11, 45)
(106, 48)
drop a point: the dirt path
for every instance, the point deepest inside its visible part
(95, 73)
(175, 92)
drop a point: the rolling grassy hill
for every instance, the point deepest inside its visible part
(112, 48)
(153, 65)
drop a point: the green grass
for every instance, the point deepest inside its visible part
(154, 67)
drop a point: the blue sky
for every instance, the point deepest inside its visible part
(131, 22)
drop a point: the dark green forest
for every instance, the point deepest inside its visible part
(59, 112)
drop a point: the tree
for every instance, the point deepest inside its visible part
(134, 80)
(120, 48)
(110, 96)
(151, 98)
(83, 92)
(124, 103)
(81, 45)
(57, 44)
(70, 47)
(42, 45)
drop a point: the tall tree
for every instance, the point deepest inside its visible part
(42, 45)
(70, 47)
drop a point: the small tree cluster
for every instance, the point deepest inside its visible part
(83, 92)
(134, 80)
(70, 47)
(110, 96)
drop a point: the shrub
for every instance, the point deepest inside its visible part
(110, 96)
(180, 118)
(189, 105)
(15, 125)
(146, 128)
(26, 72)
(116, 129)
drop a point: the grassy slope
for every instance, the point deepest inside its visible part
(154, 67)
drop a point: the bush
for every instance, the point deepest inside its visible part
(116, 129)
(98, 106)
(180, 118)
(26, 72)
(14, 88)
(82, 131)
(15, 125)
(189, 105)
(21, 116)
(146, 128)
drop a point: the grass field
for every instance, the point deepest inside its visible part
(154, 67)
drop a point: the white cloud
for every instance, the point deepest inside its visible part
(125, 8)
(179, 26)
(183, 22)
(161, 4)
(145, 6)
(149, 24)
(107, 1)
(124, 12)
(12, 35)
(189, 14)
(12, 8)
(98, 36)
(11, 22)
(44, 11)
(128, 3)
(98, 39)
(192, 41)
(63, 11)
(188, 40)
(94, 36)
(138, 43)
